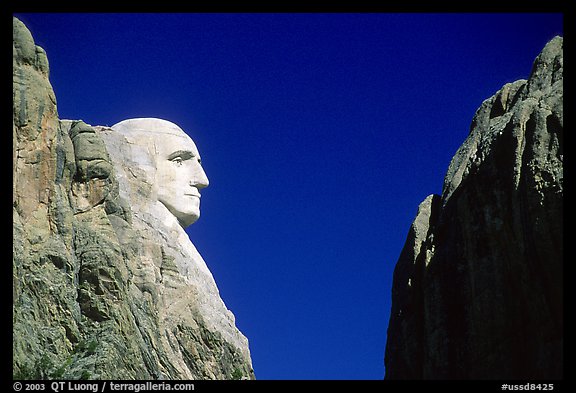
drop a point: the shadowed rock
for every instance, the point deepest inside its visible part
(477, 290)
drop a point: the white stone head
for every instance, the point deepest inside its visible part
(179, 175)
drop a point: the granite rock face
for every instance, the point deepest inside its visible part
(96, 295)
(478, 288)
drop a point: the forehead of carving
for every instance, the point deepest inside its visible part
(148, 126)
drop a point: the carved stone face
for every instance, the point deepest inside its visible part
(179, 175)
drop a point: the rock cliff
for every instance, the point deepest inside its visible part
(97, 293)
(478, 289)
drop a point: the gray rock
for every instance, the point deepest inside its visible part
(481, 296)
(407, 314)
(81, 309)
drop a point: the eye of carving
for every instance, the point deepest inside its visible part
(178, 157)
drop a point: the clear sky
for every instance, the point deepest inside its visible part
(320, 134)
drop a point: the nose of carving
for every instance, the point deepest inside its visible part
(199, 180)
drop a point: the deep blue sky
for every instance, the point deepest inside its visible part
(320, 134)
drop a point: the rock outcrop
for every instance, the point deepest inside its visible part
(478, 288)
(96, 293)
